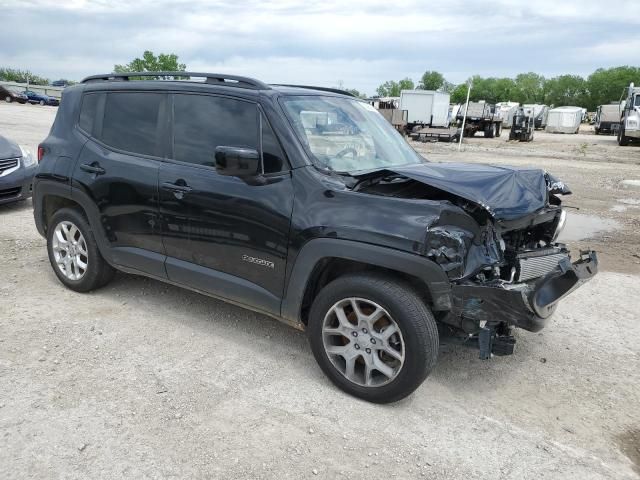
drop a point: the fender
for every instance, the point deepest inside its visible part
(434, 278)
(45, 187)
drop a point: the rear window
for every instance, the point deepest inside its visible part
(88, 112)
(131, 122)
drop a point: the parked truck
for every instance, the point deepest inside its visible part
(630, 119)
(481, 117)
(388, 108)
(607, 119)
(425, 108)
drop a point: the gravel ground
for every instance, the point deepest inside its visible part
(145, 380)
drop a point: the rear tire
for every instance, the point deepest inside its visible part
(41, 102)
(490, 131)
(498, 130)
(362, 341)
(8, 99)
(74, 253)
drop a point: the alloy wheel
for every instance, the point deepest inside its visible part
(363, 342)
(70, 250)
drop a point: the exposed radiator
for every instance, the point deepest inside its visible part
(538, 263)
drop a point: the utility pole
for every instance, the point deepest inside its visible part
(464, 118)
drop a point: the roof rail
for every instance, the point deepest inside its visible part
(211, 78)
(311, 87)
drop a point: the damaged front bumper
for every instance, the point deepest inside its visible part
(524, 305)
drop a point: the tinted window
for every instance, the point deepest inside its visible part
(202, 123)
(130, 122)
(88, 112)
(272, 154)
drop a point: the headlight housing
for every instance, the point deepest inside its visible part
(560, 226)
(27, 157)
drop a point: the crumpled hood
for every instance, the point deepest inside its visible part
(506, 192)
(9, 149)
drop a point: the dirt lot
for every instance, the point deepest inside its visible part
(145, 380)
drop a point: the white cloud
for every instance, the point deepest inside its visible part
(361, 42)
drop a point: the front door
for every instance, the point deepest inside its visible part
(225, 235)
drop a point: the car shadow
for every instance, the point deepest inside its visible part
(457, 364)
(17, 206)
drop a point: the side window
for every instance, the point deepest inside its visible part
(273, 159)
(201, 123)
(131, 122)
(88, 112)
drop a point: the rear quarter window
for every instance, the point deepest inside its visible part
(88, 112)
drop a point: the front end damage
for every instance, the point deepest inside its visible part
(506, 267)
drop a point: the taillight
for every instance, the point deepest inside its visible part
(40, 153)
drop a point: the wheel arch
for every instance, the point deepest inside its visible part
(322, 260)
(50, 197)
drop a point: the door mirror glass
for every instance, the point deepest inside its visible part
(237, 161)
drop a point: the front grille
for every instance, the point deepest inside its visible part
(10, 193)
(8, 164)
(537, 263)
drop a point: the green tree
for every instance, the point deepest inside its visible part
(459, 93)
(431, 80)
(390, 88)
(529, 88)
(21, 76)
(405, 84)
(607, 85)
(566, 90)
(150, 63)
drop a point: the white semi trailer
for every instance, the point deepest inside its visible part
(425, 108)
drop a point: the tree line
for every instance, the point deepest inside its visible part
(603, 86)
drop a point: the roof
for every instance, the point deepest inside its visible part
(206, 79)
(566, 109)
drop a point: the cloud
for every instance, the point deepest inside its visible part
(362, 43)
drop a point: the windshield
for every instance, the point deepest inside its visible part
(347, 135)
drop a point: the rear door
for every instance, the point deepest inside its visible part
(118, 168)
(225, 235)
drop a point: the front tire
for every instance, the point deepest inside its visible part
(41, 102)
(623, 140)
(74, 254)
(373, 336)
(8, 99)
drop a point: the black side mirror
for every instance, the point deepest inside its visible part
(237, 161)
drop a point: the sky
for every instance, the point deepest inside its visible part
(350, 43)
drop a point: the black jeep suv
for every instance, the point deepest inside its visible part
(306, 205)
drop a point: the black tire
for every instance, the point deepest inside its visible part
(98, 272)
(411, 314)
(41, 102)
(623, 140)
(596, 131)
(490, 131)
(8, 99)
(498, 130)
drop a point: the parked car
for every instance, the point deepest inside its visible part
(60, 83)
(10, 94)
(17, 168)
(41, 99)
(306, 205)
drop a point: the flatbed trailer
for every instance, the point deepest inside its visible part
(481, 117)
(428, 134)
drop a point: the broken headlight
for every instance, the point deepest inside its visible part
(560, 225)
